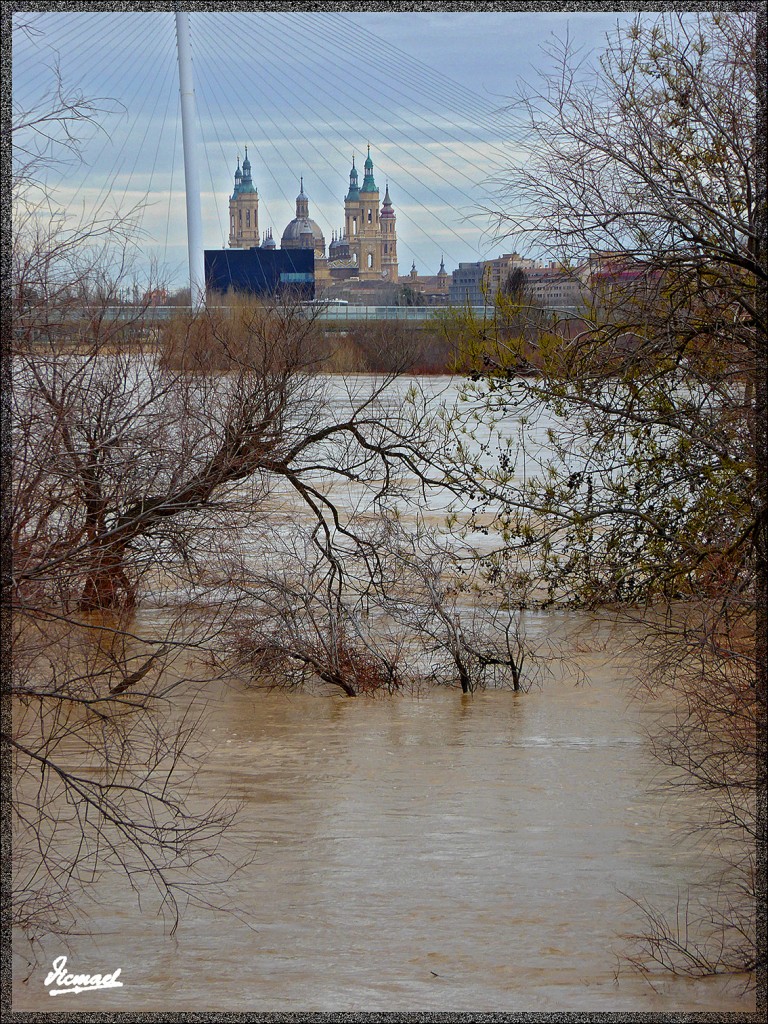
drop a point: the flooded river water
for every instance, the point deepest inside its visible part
(433, 852)
(441, 852)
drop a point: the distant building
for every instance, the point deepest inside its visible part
(244, 209)
(498, 271)
(156, 297)
(303, 232)
(431, 289)
(469, 285)
(479, 283)
(259, 271)
(366, 249)
(620, 286)
(553, 286)
(556, 287)
(608, 272)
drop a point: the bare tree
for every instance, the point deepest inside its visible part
(463, 630)
(647, 491)
(709, 742)
(147, 474)
(297, 627)
(138, 482)
(419, 620)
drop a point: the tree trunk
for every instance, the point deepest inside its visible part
(106, 584)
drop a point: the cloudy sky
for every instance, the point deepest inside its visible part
(430, 92)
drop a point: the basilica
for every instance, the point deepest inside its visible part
(366, 249)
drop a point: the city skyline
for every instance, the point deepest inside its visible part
(424, 89)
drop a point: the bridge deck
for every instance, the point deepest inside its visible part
(332, 312)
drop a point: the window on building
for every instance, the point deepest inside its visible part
(386, 248)
(354, 225)
(289, 278)
(370, 261)
(370, 217)
(247, 218)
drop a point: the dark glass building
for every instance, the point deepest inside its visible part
(268, 272)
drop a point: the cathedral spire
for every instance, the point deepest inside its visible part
(243, 180)
(354, 188)
(244, 208)
(386, 207)
(369, 185)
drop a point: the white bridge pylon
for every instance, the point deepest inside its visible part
(191, 168)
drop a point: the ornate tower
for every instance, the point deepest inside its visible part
(369, 258)
(361, 222)
(353, 214)
(388, 239)
(244, 209)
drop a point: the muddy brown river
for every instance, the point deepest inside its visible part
(436, 852)
(433, 852)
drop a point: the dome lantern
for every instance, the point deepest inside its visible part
(302, 202)
(369, 185)
(303, 232)
(243, 181)
(354, 188)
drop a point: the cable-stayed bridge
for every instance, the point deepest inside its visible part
(303, 91)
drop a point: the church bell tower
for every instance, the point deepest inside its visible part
(244, 209)
(388, 240)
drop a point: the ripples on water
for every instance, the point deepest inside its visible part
(439, 853)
